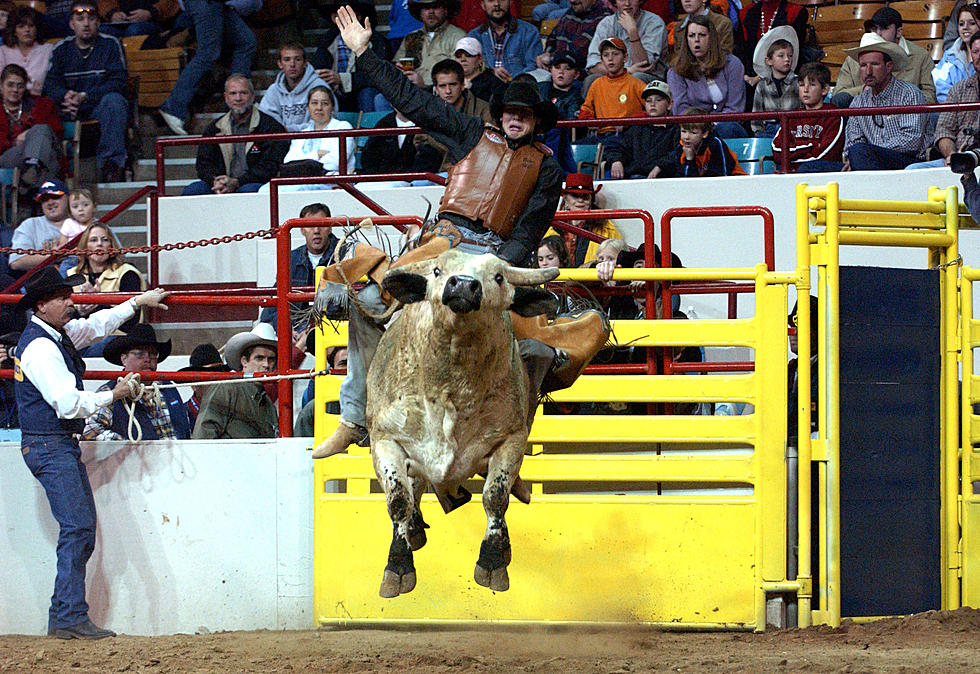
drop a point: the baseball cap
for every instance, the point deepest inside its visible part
(565, 57)
(614, 42)
(53, 187)
(656, 87)
(470, 45)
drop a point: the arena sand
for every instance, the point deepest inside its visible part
(937, 641)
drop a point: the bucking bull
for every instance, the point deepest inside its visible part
(448, 398)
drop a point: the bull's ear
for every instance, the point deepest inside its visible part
(405, 286)
(533, 302)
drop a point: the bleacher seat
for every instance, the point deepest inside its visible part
(587, 158)
(9, 177)
(349, 117)
(370, 119)
(754, 154)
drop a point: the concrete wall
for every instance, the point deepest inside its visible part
(194, 535)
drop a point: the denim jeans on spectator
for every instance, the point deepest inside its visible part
(868, 157)
(129, 29)
(550, 10)
(55, 460)
(112, 111)
(933, 163)
(215, 24)
(730, 130)
(199, 187)
(366, 98)
(820, 166)
(381, 104)
(769, 132)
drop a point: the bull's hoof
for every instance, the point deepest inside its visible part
(496, 579)
(393, 584)
(416, 532)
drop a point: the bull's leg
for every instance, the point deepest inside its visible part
(417, 525)
(491, 567)
(389, 464)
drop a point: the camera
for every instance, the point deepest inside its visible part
(964, 162)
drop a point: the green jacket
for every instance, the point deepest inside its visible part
(236, 411)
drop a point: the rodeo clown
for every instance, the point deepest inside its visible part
(501, 196)
(52, 406)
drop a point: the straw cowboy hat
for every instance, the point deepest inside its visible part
(141, 335)
(874, 42)
(262, 334)
(787, 33)
(44, 284)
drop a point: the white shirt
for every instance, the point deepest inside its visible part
(43, 364)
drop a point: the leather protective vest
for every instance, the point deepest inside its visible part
(493, 183)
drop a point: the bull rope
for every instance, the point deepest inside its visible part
(151, 393)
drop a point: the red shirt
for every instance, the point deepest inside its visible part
(36, 110)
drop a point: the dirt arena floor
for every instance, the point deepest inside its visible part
(938, 641)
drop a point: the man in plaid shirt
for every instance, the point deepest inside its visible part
(159, 419)
(883, 142)
(573, 32)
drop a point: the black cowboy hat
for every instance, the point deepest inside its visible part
(452, 7)
(45, 283)
(205, 358)
(628, 258)
(524, 94)
(141, 335)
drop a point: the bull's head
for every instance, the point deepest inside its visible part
(465, 283)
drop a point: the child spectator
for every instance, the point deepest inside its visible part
(564, 89)
(775, 59)
(701, 153)
(635, 152)
(814, 144)
(552, 253)
(81, 205)
(615, 94)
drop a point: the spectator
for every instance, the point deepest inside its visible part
(433, 42)
(316, 156)
(286, 98)
(334, 62)
(215, 25)
(814, 144)
(242, 410)
(401, 22)
(793, 373)
(238, 167)
(550, 11)
(87, 77)
(479, 79)
(204, 358)
(30, 130)
(389, 154)
(959, 130)
(702, 76)
(952, 25)
(615, 94)
(44, 230)
(776, 56)
(644, 33)
(55, 18)
(552, 252)
(127, 18)
(636, 150)
(579, 194)
(573, 33)
(7, 10)
(722, 24)
(22, 47)
(8, 400)
(564, 88)
(759, 18)
(955, 65)
(471, 14)
(511, 45)
(303, 260)
(163, 418)
(702, 153)
(81, 207)
(916, 68)
(881, 142)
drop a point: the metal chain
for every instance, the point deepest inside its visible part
(181, 245)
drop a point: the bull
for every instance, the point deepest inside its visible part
(448, 397)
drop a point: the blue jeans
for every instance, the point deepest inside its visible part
(820, 166)
(215, 24)
(199, 187)
(55, 460)
(129, 29)
(934, 163)
(112, 111)
(550, 10)
(868, 157)
(730, 130)
(366, 98)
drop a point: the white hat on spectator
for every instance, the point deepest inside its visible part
(874, 42)
(262, 334)
(787, 33)
(470, 45)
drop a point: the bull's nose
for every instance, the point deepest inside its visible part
(462, 294)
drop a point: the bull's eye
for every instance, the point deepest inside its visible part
(499, 278)
(436, 272)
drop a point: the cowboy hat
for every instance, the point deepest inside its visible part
(874, 42)
(787, 33)
(44, 284)
(142, 334)
(262, 334)
(415, 7)
(579, 183)
(205, 358)
(524, 94)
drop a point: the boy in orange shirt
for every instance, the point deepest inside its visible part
(615, 94)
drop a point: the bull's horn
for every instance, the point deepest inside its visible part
(529, 277)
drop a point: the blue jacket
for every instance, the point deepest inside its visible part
(37, 417)
(102, 72)
(522, 45)
(175, 406)
(301, 272)
(952, 67)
